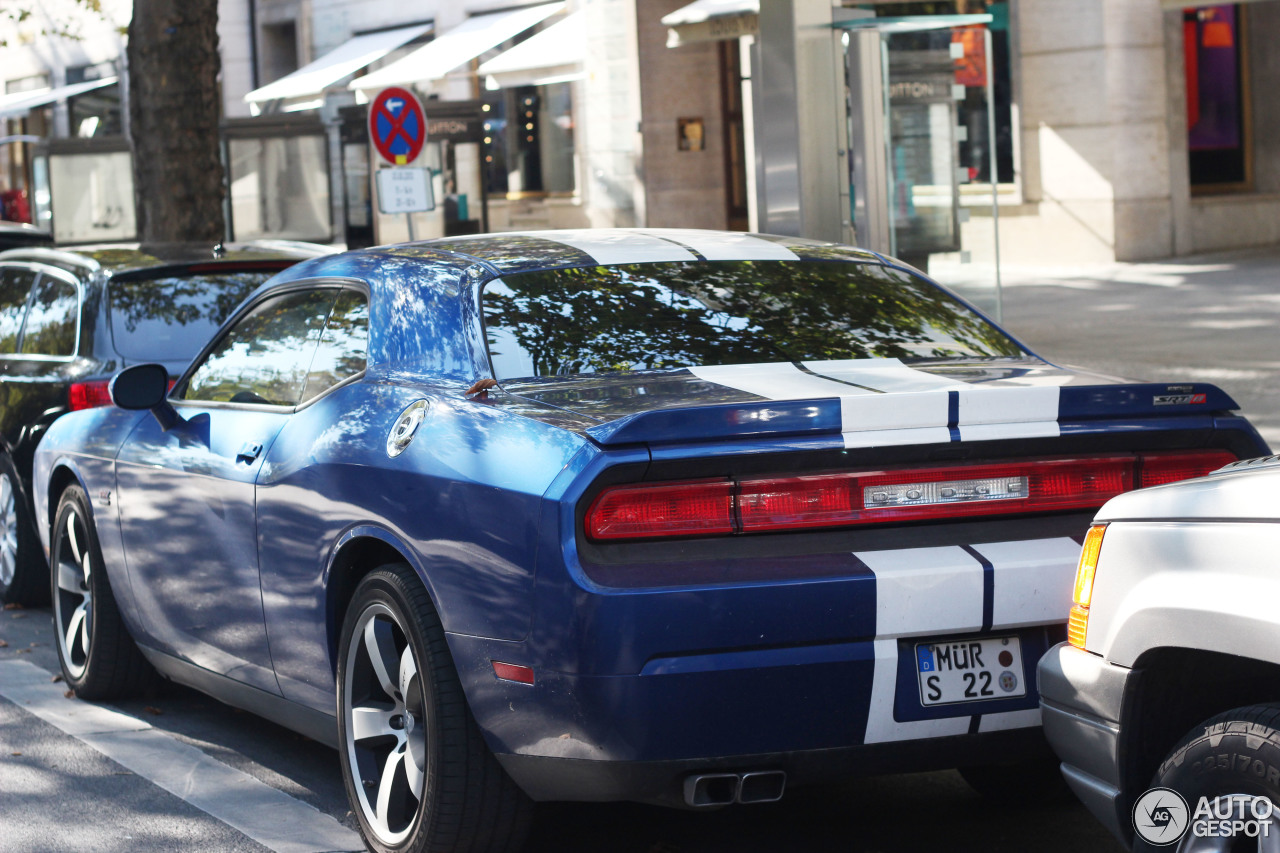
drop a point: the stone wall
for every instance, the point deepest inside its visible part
(683, 189)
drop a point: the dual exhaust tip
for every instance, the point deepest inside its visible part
(722, 789)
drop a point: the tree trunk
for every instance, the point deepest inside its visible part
(174, 113)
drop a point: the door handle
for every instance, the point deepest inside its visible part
(249, 451)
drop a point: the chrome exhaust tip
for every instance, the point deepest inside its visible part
(762, 787)
(711, 789)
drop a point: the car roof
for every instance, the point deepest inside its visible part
(117, 260)
(528, 251)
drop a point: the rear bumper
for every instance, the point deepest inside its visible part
(813, 712)
(663, 782)
(1081, 695)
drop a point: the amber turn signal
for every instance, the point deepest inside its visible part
(1082, 592)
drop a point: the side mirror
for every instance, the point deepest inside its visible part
(145, 386)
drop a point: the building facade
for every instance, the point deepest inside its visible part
(1089, 130)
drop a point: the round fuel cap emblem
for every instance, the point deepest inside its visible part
(406, 426)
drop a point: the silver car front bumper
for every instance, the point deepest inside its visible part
(1080, 699)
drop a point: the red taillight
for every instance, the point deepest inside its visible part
(1170, 467)
(668, 509)
(89, 395)
(923, 493)
(883, 497)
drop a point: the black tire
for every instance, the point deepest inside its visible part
(98, 656)
(23, 570)
(415, 731)
(1033, 782)
(1235, 753)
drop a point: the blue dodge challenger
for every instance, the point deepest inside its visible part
(671, 516)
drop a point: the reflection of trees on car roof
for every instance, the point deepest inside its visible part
(651, 316)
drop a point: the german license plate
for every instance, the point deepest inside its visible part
(970, 670)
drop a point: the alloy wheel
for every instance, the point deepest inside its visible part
(8, 531)
(73, 604)
(385, 716)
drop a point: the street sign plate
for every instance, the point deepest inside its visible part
(405, 191)
(397, 126)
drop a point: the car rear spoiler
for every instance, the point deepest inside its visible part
(974, 412)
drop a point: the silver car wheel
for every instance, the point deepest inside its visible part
(8, 531)
(384, 714)
(73, 604)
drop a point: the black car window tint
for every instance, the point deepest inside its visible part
(656, 316)
(15, 286)
(344, 346)
(52, 319)
(171, 318)
(264, 357)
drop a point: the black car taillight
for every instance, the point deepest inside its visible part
(89, 395)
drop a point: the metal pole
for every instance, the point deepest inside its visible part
(991, 148)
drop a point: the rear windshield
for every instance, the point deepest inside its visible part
(656, 316)
(170, 319)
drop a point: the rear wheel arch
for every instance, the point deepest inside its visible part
(357, 553)
(59, 479)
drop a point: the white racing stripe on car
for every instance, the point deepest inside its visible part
(623, 247)
(1032, 580)
(933, 592)
(881, 726)
(925, 591)
(883, 402)
(776, 381)
(919, 591)
(268, 816)
(884, 374)
(914, 417)
(990, 412)
(727, 246)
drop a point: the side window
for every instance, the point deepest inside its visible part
(15, 285)
(344, 347)
(265, 357)
(53, 320)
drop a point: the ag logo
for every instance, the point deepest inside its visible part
(1161, 817)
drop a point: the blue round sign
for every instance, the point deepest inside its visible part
(397, 125)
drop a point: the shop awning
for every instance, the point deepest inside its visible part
(355, 53)
(555, 55)
(19, 103)
(712, 20)
(457, 47)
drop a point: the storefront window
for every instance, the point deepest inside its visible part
(1217, 115)
(92, 195)
(973, 110)
(528, 143)
(95, 113)
(280, 188)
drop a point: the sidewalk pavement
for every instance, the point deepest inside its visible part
(1208, 318)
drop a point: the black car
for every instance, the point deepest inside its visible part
(16, 234)
(70, 319)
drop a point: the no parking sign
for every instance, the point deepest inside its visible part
(397, 125)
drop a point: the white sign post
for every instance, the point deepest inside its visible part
(405, 191)
(398, 130)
